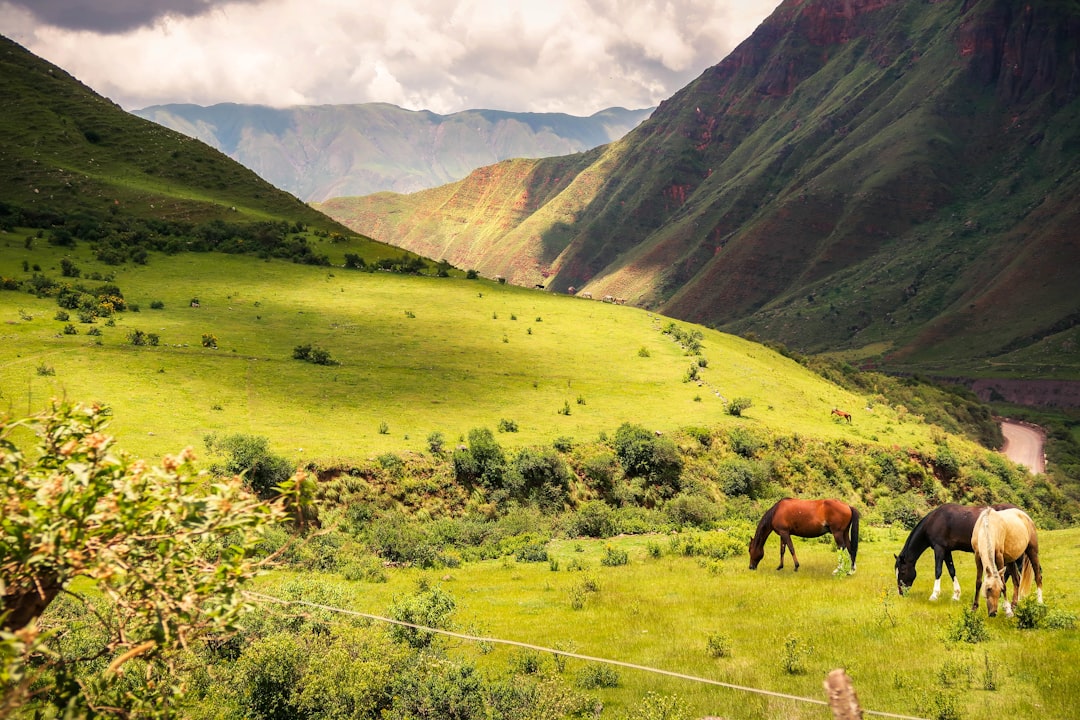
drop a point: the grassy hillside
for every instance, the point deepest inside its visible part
(79, 168)
(334, 150)
(899, 180)
(420, 354)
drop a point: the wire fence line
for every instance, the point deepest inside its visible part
(564, 653)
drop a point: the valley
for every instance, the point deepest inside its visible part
(234, 429)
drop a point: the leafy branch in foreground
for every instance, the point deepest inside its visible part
(161, 553)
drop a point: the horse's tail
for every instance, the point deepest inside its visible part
(1027, 576)
(853, 529)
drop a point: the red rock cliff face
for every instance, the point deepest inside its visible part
(1018, 47)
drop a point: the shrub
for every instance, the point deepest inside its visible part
(45, 370)
(614, 557)
(250, 457)
(592, 519)
(61, 315)
(266, 674)
(435, 442)
(661, 707)
(1030, 613)
(687, 509)
(745, 442)
(717, 645)
(642, 454)
(157, 305)
(533, 552)
(137, 337)
(482, 461)
(968, 627)
(383, 428)
(793, 655)
(595, 676)
(737, 405)
(507, 426)
(397, 539)
(69, 329)
(431, 608)
(319, 356)
(738, 476)
(539, 476)
(209, 341)
(69, 268)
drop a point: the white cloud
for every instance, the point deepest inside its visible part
(575, 56)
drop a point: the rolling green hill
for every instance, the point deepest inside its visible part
(897, 179)
(420, 354)
(319, 152)
(79, 168)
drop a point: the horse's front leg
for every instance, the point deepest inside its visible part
(939, 557)
(1007, 571)
(978, 580)
(952, 574)
(784, 540)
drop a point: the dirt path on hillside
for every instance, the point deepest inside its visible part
(1024, 445)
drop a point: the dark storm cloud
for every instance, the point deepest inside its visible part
(112, 16)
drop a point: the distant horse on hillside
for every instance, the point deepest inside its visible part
(945, 528)
(809, 519)
(1000, 538)
(842, 414)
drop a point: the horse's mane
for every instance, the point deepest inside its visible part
(764, 526)
(986, 543)
(916, 532)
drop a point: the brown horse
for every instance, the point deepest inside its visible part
(1000, 538)
(809, 519)
(842, 414)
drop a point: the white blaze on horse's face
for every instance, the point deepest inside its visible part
(992, 590)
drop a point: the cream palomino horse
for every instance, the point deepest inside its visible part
(1001, 537)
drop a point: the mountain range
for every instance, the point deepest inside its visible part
(895, 179)
(324, 151)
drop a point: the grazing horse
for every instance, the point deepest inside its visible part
(842, 414)
(1002, 537)
(809, 519)
(945, 528)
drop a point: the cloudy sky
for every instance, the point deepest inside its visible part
(573, 56)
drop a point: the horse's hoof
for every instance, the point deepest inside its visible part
(956, 597)
(933, 597)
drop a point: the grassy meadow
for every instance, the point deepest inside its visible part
(416, 355)
(780, 631)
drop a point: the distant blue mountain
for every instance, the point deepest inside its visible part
(318, 152)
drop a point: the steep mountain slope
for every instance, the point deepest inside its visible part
(77, 165)
(890, 176)
(318, 152)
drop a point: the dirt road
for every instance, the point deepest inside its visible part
(1024, 445)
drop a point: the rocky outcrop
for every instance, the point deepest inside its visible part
(1035, 393)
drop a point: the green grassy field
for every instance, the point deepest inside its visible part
(660, 612)
(416, 354)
